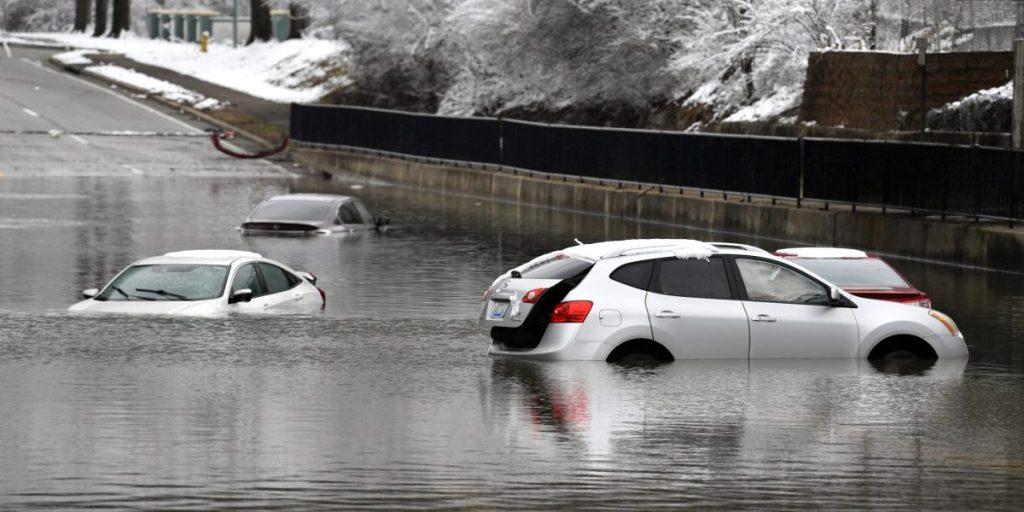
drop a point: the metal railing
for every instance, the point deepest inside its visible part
(945, 180)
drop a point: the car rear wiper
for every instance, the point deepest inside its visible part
(162, 292)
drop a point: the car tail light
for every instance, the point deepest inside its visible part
(323, 295)
(532, 295)
(924, 302)
(571, 312)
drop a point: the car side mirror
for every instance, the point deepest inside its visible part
(243, 295)
(90, 293)
(382, 221)
(836, 299)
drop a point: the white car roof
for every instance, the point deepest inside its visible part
(616, 248)
(821, 253)
(323, 198)
(209, 257)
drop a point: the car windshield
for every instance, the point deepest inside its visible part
(307, 211)
(854, 272)
(167, 282)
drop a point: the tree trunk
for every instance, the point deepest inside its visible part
(300, 20)
(122, 19)
(260, 28)
(82, 15)
(101, 18)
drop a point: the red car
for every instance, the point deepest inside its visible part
(860, 273)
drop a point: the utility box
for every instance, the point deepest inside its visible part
(281, 22)
(153, 23)
(165, 25)
(206, 22)
(191, 27)
(179, 25)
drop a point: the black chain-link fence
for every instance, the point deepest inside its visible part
(929, 178)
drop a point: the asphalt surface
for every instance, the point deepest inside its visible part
(89, 127)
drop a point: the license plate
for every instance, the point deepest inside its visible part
(497, 310)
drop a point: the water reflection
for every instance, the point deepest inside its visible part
(388, 399)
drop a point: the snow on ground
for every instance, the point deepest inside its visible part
(770, 107)
(134, 79)
(297, 70)
(74, 58)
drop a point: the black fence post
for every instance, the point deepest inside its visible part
(977, 182)
(800, 178)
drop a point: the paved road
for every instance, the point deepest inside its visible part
(55, 122)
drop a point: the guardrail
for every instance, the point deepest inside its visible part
(969, 181)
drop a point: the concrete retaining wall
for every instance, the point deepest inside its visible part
(967, 243)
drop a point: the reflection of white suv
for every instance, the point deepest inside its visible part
(683, 299)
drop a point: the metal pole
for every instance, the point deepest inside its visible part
(234, 24)
(1018, 93)
(922, 48)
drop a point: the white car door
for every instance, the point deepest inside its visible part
(247, 277)
(283, 290)
(790, 315)
(693, 312)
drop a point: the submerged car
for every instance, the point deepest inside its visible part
(207, 282)
(310, 215)
(683, 299)
(860, 273)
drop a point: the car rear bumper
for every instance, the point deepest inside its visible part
(558, 344)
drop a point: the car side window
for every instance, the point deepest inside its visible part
(636, 274)
(348, 214)
(364, 212)
(246, 277)
(767, 281)
(698, 278)
(276, 278)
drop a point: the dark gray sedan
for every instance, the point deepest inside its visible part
(310, 215)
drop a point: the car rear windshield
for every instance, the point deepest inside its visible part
(854, 272)
(292, 211)
(167, 282)
(558, 268)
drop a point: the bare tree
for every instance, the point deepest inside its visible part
(101, 18)
(122, 19)
(82, 15)
(261, 28)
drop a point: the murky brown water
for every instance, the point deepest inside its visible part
(388, 400)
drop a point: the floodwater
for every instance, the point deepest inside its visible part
(388, 400)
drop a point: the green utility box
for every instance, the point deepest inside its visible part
(191, 27)
(165, 25)
(179, 26)
(206, 23)
(281, 21)
(153, 23)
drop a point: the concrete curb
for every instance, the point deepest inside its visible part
(81, 69)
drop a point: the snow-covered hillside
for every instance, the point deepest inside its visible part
(678, 61)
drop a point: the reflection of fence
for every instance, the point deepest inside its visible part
(958, 180)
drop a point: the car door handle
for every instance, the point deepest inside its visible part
(668, 314)
(764, 318)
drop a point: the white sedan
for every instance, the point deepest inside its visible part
(683, 299)
(210, 282)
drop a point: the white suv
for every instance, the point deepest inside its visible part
(684, 299)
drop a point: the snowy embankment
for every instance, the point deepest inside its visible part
(298, 70)
(988, 110)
